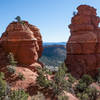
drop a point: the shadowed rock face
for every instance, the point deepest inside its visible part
(83, 47)
(24, 41)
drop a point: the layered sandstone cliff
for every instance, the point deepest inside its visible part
(83, 47)
(24, 41)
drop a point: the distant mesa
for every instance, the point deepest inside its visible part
(53, 43)
(53, 54)
(83, 47)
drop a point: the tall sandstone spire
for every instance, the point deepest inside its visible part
(83, 47)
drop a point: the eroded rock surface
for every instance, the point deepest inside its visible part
(83, 47)
(24, 41)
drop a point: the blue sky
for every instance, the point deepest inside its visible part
(52, 17)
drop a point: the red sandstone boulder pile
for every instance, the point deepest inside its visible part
(83, 47)
(24, 41)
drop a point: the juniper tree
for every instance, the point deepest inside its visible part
(12, 63)
(58, 84)
(18, 18)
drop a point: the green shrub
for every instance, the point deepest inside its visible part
(58, 84)
(81, 87)
(2, 76)
(59, 76)
(7, 94)
(11, 59)
(18, 18)
(42, 78)
(89, 93)
(92, 92)
(11, 69)
(71, 78)
(63, 66)
(12, 63)
(87, 79)
(3, 86)
(74, 13)
(85, 97)
(18, 95)
(21, 76)
(84, 82)
(79, 95)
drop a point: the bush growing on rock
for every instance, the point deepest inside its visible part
(12, 63)
(84, 91)
(87, 79)
(42, 78)
(89, 93)
(21, 76)
(71, 78)
(18, 95)
(84, 82)
(85, 97)
(3, 86)
(58, 84)
(11, 59)
(18, 18)
(7, 94)
(92, 92)
(81, 86)
(11, 69)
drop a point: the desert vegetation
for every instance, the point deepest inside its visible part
(7, 94)
(54, 83)
(57, 83)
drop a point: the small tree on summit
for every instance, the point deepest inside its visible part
(74, 13)
(18, 18)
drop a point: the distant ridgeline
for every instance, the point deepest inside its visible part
(53, 53)
(54, 43)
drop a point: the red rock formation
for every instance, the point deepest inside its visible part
(24, 41)
(83, 47)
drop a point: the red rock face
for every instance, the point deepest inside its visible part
(83, 47)
(3, 58)
(24, 41)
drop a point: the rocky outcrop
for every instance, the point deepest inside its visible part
(83, 47)
(24, 41)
